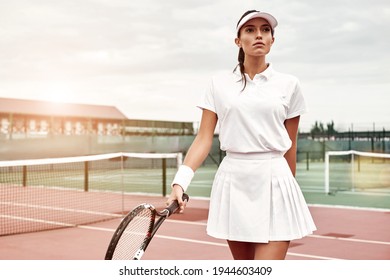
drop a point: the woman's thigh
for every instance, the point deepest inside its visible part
(242, 250)
(274, 250)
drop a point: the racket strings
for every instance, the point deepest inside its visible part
(134, 235)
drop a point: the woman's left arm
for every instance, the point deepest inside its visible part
(292, 130)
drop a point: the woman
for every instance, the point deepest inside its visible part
(256, 203)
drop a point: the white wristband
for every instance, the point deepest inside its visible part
(183, 177)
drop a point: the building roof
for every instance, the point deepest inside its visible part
(46, 108)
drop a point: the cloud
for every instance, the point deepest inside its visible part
(138, 55)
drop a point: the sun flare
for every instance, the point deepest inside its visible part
(58, 93)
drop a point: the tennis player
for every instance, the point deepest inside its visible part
(256, 204)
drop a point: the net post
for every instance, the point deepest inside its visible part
(164, 177)
(24, 176)
(86, 183)
(353, 170)
(123, 183)
(307, 161)
(326, 172)
(179, 159)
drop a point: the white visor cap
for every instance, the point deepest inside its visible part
(268, 17)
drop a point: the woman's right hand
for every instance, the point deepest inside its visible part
(177, 194)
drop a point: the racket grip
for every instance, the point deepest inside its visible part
(175, 205)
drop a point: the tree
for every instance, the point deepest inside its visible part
(319, 130)
(330, 128)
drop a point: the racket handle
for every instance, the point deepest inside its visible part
(175, 205)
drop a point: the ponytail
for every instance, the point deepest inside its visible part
(241, 59)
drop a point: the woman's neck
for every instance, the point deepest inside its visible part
(254, 66)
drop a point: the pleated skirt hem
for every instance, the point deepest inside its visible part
(218, 235)
(257, 200)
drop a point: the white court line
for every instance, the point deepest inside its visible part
(207, 243)
(311, 256)
(157, 235)
(37, 221)
(198, 241)
(349, 239)
(169, 221)
(60, 209)
(359, 208)
(311, 235)
(182, 222)
(186, 222)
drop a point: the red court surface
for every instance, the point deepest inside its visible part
(343, 233)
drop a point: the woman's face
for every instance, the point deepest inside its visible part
(255, 37)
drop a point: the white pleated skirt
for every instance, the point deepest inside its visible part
(255, 198)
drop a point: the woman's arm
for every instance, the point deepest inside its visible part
(203, 141)
(198, 151)
(292, 130)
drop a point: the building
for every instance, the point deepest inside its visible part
(21, 118)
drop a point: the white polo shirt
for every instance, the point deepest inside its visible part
(253, 120)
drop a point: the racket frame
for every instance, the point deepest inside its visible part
(123, 225)
(152, 229)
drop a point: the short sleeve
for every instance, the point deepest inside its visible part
(297, 104)
(207, 100)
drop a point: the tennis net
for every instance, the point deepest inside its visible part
(357, 171)
(45, 194)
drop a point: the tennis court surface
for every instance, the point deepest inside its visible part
(57, 211)
(342, 233)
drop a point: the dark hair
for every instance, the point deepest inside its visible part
(241, 54)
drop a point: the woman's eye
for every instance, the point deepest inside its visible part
(266, 29)
(249, 29)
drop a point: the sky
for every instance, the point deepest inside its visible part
(153, 59)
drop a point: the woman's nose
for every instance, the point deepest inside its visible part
(258, 34)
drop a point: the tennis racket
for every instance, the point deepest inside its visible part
(137, 229)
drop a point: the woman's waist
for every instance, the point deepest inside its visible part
(255, 155)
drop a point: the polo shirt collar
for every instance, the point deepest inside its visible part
(267, 73)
